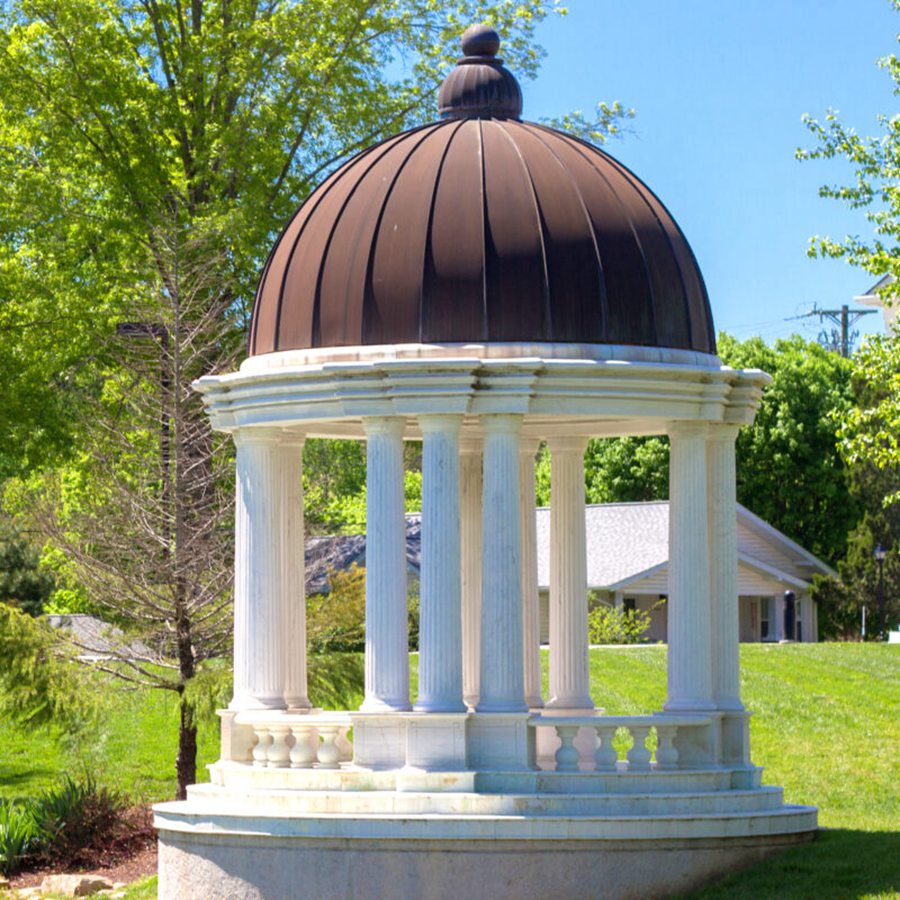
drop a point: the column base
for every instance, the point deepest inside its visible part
(381, 706)
(379, 740)
(500, 741)
(436, 742)
(735, 739)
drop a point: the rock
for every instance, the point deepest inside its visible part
(74, 885)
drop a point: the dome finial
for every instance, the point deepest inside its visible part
(480, 86)
(480, 40)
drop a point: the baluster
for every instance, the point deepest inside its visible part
(306, 747)
(260, 748)
(344, 744)
(638, 754)
(329, 754)
(567, 756)
(605, 756)
(666, 753)
(278, 752)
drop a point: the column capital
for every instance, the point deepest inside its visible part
(440, 422)
(571, 443)
(501, 422)
(687, 429)
(725, 432)
(390, 425)
(528, 445)
(244, 437)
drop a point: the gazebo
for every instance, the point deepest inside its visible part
(481, 284)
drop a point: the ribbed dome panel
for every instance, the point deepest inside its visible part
(478, 229)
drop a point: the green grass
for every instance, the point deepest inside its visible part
(826, 727)
(132, 749)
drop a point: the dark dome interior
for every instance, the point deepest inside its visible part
(481, 228)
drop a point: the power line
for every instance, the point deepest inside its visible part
(844, 318)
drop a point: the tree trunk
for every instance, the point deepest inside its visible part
(186, 762)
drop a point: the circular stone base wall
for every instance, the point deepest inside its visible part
(251, 867)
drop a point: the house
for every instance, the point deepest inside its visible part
(627, 566)
(628, 560)
(875, 296)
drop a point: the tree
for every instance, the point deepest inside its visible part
(230, 112)
(150, 153)
(139, 518)
(23, 583)
(869, 429)
(789, 469)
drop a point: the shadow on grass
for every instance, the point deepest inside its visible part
(839, 865)
(11, 780)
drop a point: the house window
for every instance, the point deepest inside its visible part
(765, 607)
(628, 604)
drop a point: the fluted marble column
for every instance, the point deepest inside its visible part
(470, 552)
(531, 610)
(440, 617)
(293, 575)
(502, 686)
(726, 682)
(689, 621)
(569, 678)
(269, 573)
(387, 636)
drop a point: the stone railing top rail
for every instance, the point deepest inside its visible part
(312, 717)
(589, 721)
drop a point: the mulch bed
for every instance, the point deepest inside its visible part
(126, 853)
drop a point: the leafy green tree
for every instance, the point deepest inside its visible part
(223, 114)
(869, 429)
(150, 153)
(789, 469)
(23, 583)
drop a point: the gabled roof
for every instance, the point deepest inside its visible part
(98, 640)
(340, 551)
(628, 542)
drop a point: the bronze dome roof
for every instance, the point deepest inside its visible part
(481, 228)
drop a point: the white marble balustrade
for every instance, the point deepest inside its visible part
(303, 741)
(638, 757)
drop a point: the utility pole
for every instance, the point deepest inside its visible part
(844, 318)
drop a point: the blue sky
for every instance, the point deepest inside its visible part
(719, 88)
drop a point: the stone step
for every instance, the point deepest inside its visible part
(243, 776)
(218, 816)
(314, 803)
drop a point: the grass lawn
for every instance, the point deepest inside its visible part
(826, 727)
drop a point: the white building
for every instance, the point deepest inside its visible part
(628, 566)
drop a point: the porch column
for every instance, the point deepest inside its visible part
(726, 685)
(268, 573)
(531, 610)
(470, 527)
(387, 640)
(689, 626)
(569, 678)
(440, 618)
(502, 684)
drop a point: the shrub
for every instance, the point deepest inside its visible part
(74, 815)
(611, 625)
(19, 834)
(58, 825)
